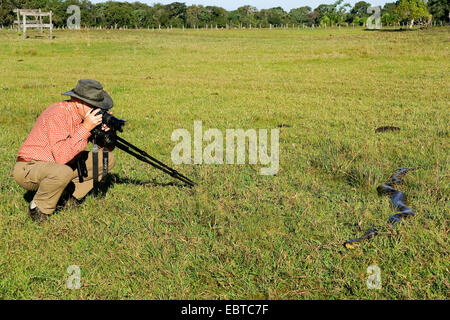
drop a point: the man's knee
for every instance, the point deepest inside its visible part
(20, 172)
(62, 174)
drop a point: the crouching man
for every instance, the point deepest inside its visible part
(58, 137)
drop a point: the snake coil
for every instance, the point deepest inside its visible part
(397, 201)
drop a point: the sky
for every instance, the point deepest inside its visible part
(260, 4)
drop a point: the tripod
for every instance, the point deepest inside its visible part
(124, 145)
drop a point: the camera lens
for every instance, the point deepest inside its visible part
(112, 122)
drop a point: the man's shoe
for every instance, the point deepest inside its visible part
(37, 215)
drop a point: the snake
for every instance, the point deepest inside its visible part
(397, 201)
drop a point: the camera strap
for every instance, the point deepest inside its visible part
(105, 163)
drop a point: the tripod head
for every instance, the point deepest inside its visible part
(104, 139)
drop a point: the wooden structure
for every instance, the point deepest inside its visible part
(23, 24)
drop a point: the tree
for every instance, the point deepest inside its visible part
(118, 14)
(6, 16)
(439, 9)
(263, 17)
(360, 9)
(276, 16)
(341, 11)
(160, 15)
(138, 17)
(192, 16)
(121, 13)
(331, 13)
(176, 12)
(218, 16)
(358, 14)
(300, 15)
(412, 10)
(388, 8)
(321, 11)
(388, 15)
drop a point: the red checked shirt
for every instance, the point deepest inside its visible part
(57, 135)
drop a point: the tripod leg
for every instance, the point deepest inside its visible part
(145, 157)
(95, 168)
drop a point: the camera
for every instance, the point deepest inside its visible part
(111, 121)
(107, 139)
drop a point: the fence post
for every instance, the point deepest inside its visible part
(51, 25)
(24, 27)
(40, 22)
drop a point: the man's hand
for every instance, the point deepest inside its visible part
(105, 127)
(91, 120)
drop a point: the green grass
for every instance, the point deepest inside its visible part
(239, 235)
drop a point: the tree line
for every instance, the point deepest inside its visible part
(113, 14)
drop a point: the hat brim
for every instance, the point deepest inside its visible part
(106, 103)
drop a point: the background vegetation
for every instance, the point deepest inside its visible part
(137, 15)
(239, 235)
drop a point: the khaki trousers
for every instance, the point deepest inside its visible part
(49, 179)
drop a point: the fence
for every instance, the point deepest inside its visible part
(23, 23)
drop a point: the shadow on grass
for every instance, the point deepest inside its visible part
(113, 179)
(388, 30)
(397, 30)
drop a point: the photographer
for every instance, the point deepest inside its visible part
(45, 161)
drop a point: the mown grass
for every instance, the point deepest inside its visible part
(239, 235)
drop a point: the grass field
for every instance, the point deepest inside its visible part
(238, 234)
